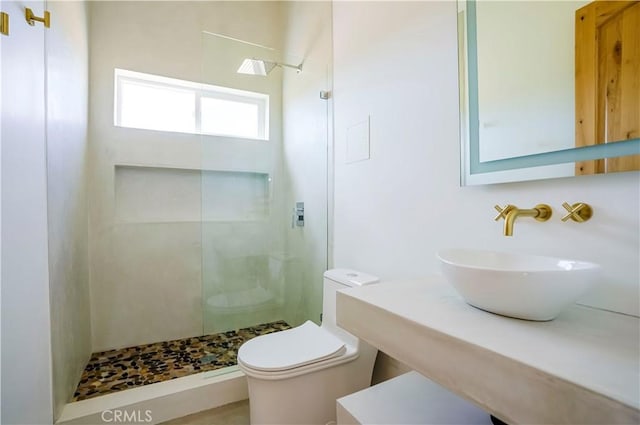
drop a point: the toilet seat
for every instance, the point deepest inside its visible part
(294, 348)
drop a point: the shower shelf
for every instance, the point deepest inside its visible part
(188, 221)
(165, 166)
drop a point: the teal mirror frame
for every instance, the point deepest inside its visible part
(477, 172)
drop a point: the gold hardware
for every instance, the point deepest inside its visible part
(578, 212)
(31, 18)
(502, 212)
(541, 212)
(4, 23)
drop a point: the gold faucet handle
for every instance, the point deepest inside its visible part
(578, 212)
(502, 212)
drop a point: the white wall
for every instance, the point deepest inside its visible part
(67, 98)
(146, 276)
(26, 332)
(397, 62)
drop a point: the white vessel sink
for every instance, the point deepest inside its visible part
(522, 286)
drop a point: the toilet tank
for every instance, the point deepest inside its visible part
(334, 280)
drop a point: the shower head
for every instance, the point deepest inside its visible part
(256, 67)
(262, 67)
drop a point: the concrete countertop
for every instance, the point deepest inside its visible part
(581, 368)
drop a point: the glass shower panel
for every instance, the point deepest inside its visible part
(247, 267)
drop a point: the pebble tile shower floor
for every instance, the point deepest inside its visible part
(116, 370)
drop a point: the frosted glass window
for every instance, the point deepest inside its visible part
(153, 102)
(157, 108)
(222, 116)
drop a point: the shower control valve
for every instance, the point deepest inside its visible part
(299, 214)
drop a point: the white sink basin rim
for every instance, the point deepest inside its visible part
(523, 286)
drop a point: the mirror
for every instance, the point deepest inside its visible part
(547, 87)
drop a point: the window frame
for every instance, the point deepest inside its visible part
(200, 90)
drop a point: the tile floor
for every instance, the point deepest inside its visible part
(117, 370)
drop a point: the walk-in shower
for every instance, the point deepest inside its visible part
(196, 173)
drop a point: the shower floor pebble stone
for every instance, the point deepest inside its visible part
(116, 370)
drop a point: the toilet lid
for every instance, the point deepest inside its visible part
(303, 345)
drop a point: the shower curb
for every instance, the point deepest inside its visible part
(160, 402)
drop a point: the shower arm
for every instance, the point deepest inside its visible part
(286, 65)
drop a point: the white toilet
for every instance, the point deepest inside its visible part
(295, 376)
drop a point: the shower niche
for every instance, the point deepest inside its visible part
(146, 194)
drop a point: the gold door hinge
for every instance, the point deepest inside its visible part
(4, 23)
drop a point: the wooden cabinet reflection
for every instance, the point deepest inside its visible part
(607, 67)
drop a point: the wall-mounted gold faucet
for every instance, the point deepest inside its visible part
(541, 212)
